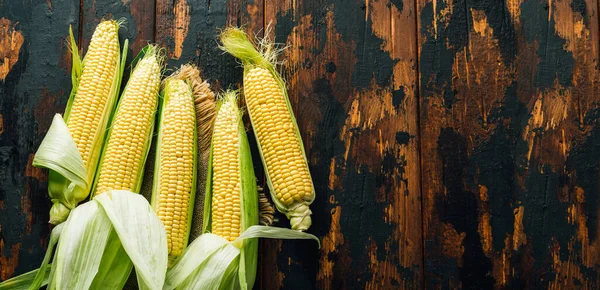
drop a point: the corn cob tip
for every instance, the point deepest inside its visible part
(300, 219)
(228, 96)
(153, 52)
(235, 42)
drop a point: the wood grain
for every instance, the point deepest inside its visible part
(508, 95)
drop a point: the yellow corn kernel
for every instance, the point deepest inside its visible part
(125, 150)
(273, 124)
(226, 211)
(176, 173)
(91, 101)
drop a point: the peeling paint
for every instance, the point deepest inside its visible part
(330, 244)
(569, 24)
(10, 46)
(180, 26)
(519, 236)
(8, 263)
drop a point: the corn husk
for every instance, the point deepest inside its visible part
(85, 244)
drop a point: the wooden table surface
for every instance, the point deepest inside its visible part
(453, 143)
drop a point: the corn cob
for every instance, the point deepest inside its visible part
(86, 118)
(129, 138)
(226, 178)
(279, 141)
(205, 116)
(231, 195)
(175, 169)
(96, 83)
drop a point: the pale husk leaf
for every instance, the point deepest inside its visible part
(141, 233)
(80, 247)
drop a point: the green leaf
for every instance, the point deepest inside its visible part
(67, 176)
(42, 275)
(24, 281)
(142, 234)
(76, 69)
(249, 199)
(211, 274)
(80, 247)
(193, 257)
(274, 233)
(115, 266)
(58, 152)
(230, 277)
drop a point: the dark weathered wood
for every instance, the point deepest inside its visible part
(188, 31)
(489, 108)
(138, 18)
(351, 69)
(35, 70)
(509, 143)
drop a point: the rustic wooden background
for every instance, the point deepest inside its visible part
(453, 143)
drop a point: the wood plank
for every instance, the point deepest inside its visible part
(508, 102)
(351, 72)
(35, 81)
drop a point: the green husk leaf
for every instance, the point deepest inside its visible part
(141, 233)
(140, 55)
(115, 266)
(24, 281)
(193, 257)
(274, 233)
(42, 275)
(51, 276)
(249, 198)
(235, 42)
(198, 259)
(76, 69)
(59, 154)
(80, 247)
(230, 277)
(207, 219)
(167, 93)
(211, 274)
